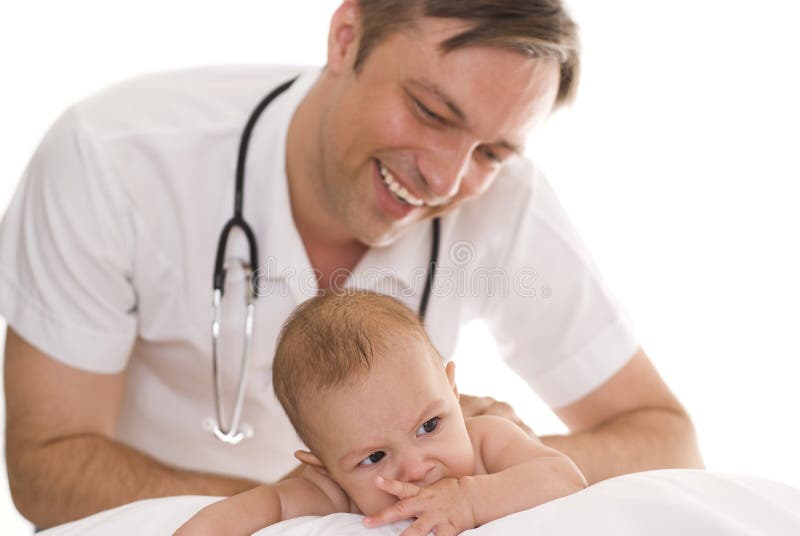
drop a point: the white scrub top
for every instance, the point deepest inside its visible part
(107, 252)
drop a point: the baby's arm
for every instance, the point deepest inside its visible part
(310, 493)
(522, 472)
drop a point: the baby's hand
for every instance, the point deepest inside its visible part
(442, 507)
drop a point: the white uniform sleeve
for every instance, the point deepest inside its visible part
(66, 244)
(558, 327)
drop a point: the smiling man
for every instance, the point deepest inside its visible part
(107, 250)
(410, 134)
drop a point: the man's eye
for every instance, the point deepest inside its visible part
(491, 155)
(428, 426)
(373, 458)
(424, 110)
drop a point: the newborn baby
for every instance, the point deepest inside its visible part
(370, 397)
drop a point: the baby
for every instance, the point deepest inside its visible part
(368, 394)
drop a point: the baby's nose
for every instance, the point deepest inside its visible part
(416, 469)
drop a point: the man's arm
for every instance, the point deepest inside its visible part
(63, 463)
(631, 423)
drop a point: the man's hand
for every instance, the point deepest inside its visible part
(442, 507)
(473, 406)
(630, 423)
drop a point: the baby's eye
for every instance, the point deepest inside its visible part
(373, 458)
(428, 426)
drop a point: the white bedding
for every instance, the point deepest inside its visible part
(655, 503)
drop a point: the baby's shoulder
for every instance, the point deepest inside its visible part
(485, 429)
(491, 431)
(483, 424)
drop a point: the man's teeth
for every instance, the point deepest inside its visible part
(398, 191)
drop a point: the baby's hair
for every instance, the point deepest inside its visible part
(332, 340)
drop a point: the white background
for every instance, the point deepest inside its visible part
(678, 165)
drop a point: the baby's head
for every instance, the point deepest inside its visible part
(369, 395)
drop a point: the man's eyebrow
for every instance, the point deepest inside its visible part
(440, 94)
(513, 147)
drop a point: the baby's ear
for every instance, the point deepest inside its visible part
(308, 458)
(450, 370)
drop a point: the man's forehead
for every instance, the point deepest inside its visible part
(441, 29)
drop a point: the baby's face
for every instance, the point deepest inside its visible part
(402, 421)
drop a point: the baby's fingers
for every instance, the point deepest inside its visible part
(405, 509)
(445, 529)
(401, 490)
(421, 527)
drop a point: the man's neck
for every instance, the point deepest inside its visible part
(328, 244)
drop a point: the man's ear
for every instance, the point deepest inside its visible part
(342, 36)
(450, 370)
(308, 458)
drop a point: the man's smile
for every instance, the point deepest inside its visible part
(397, 190)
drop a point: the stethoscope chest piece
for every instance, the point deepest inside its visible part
(237, 430)
(245, 431)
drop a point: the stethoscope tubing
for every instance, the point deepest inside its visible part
(237, 430)
(237, 220)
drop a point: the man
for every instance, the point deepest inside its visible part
(106, 252)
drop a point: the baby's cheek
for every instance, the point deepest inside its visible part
(372, 500)
(464, 462)
(466, 467)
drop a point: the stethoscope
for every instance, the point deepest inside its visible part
(234, 432)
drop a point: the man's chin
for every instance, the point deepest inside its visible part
(379, 238)
(386, 233)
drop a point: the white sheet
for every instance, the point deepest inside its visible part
(656, 503)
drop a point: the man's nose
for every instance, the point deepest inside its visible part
(446, 169)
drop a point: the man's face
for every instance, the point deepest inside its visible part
(416, 132)
(401, 421)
